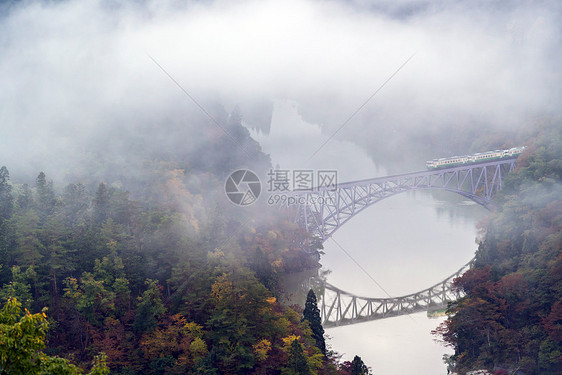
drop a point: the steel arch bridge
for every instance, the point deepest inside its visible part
(322, 211)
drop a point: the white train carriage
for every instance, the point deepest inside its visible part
(480, 157)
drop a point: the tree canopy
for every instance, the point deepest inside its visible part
(511, 315)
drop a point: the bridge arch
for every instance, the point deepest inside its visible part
(357, 211)
(323, 211)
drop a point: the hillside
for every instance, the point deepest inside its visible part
(154, 267)
(510, 320)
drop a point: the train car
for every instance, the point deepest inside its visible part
(480, 157)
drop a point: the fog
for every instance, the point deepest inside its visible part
(403, 244)
(91, 77)
(71, 70)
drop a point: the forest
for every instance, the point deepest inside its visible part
(141, 265)
(510, 318)
(152, 272)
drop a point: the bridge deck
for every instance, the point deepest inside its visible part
(428, 172)
(322, 217)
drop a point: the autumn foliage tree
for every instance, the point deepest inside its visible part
(22, 338)
(510, 316)
(156, 268)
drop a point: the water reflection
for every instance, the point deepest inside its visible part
(404, 242)
(407, 243)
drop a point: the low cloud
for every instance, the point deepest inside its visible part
(73, 70)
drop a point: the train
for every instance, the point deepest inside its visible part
(480, 157)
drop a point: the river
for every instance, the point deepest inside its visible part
(406, 243)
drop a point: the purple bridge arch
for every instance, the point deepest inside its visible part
(324, 210)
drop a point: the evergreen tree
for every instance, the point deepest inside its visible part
(25, 199)
(6, 198)
(358, 367)
(76, 202)
(311, 313)
(45, 196)
(6, 208)
(29, 247)
(297, 363)
(58, 260)
(101, 204)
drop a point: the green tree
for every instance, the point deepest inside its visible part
(122, 295)
(6, 198)
(58, 260)
(311, 314)
(511, 310)
(150, 308)
(6, 210)
(91, 297)
(239, 313)
(29, 246)
(45, 196)
(264, 272)
(358, 367)
(22, 338)
(76, 202)
(19, 287)
(101, 204)
(297, 363)
(25, 199)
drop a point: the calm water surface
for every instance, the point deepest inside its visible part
(406, 243)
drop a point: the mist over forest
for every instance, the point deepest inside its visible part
(120, 122)
(78, 77)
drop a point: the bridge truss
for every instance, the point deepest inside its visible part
(324, 210)
(342, 308)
